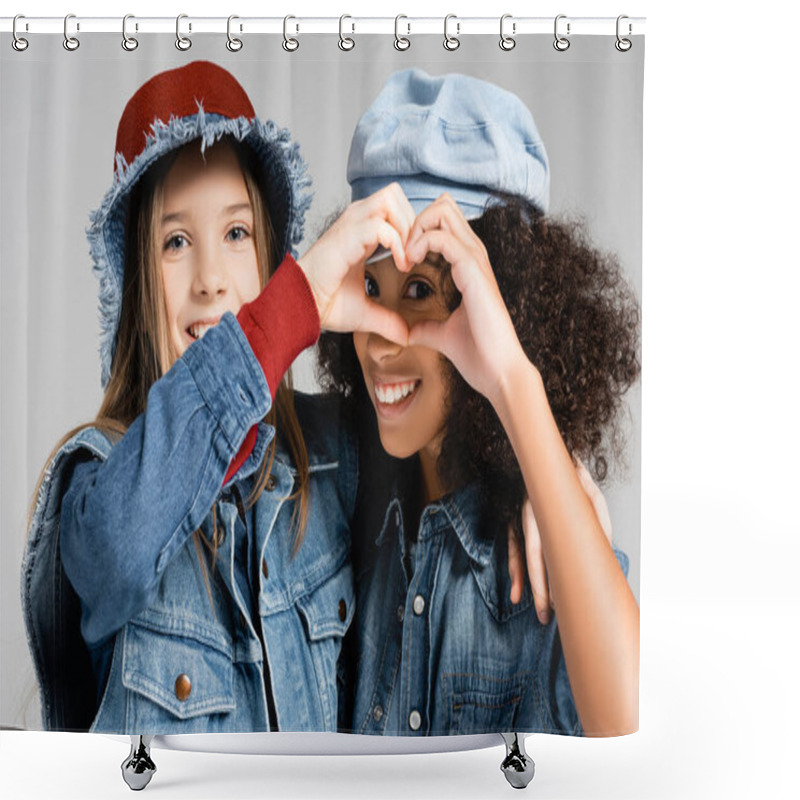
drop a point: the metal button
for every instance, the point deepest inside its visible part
(342, 610)
(183, 686)
(272, 482)
(401, 613)
(264, 570)
(419, 604)
(377, 713)
(414, 720)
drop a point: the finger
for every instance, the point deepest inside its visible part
(444, 214)
(596, 497)
(516, 568)
(378, 319)
(391, 205)
(537, 571)
(381, 232)
(443, 242)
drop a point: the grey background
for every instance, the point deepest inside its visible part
(58, 119)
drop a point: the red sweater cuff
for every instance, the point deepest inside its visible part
(279, 324)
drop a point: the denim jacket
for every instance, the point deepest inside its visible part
(437, 647)
(259, 642)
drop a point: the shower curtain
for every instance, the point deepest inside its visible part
(400, 609)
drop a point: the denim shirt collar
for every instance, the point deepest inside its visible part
(463, 509)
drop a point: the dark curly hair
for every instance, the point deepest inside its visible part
(577, 320)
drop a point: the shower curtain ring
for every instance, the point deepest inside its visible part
(507, 42)
(182, 42)
(401, 42)
(561, 43)
(233, 44)
(70, 42)
(623, 45)
(346, 42)
(18, 43)
(290, 44)
(128, 42)
(451, 42)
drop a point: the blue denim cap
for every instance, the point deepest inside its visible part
(449, 133)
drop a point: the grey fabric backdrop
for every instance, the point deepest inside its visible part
(58, 119)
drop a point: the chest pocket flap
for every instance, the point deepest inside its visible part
(328, 610)
(184, 674)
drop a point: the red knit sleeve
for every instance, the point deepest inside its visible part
(279, 324)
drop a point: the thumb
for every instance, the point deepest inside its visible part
(386, 323)
(429, 333)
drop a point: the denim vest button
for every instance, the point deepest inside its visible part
(401, 613)
(183, 686)
(414, 720)
(264, 570)
(419, 604)
(272, 482)
(377, 713)
(342, 610)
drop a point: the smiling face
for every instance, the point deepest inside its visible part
(205, 245)
(406, 385)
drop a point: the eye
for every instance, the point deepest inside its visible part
(175, 242)
(371, 286)
(238, 233)
(419, 290)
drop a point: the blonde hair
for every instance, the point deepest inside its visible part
(145, 350)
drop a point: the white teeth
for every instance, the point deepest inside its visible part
(198, 331)
(394, 393)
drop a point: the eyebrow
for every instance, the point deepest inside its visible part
(227, 211)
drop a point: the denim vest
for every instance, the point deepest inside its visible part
(185, 655)
(438, 647)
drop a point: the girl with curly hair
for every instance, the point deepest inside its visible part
(523, 340)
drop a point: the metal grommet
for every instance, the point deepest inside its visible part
(451, 42)
(401, 42)
(507, 42)
(346, 42)
(233, 44)
(561, 43)
(70, 42)
(181, 42)
(290, 44)
(623, 45)
(129, 43)
(18, 43)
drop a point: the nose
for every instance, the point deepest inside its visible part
(210, 274)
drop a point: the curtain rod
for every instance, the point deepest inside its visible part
(405, 26)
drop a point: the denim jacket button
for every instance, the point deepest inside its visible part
(401, 613)
(183, 686)
(377, 713)
(419, 604)
(342, 610)
(272, 482)
(414, 720)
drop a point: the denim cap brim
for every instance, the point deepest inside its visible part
(421, 191)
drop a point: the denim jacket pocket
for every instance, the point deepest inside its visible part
(327, 612)
(328, 609)
(481, 704)
(175, 678)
